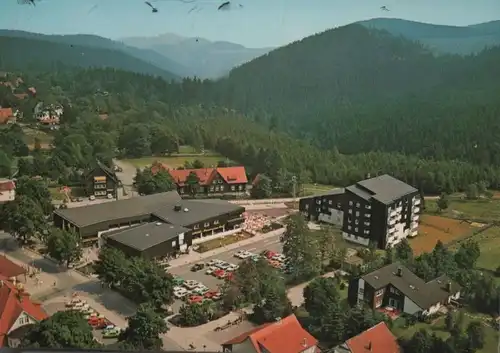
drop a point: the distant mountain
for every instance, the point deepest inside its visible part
(442, 39)
(20, 53)
(204, 58)
(88, 40)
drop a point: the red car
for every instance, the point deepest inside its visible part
(195, 299)
(214, 295)
(270, 254)
(219, 274)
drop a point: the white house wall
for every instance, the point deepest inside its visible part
(409, 307)
(335, 217)
(23, 320)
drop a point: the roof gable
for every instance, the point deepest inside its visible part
(377, 339)
(424, 294)
(284, 336)
(13, 302)
(10, 269)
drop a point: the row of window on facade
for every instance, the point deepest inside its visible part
(206, 224)
(217, 188)
(366, 231)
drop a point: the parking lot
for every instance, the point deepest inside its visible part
(216, 265)
(104, 330)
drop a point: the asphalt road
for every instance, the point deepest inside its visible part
(213, 283)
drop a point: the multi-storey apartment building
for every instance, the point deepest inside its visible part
(380, 211)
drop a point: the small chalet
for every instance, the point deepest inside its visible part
(7, 116)
(377, 339)
(17, 313)
(207, 181)
(283, 336)
(7, 190)
(394, 289)
(102, 182)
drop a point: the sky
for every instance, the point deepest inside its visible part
(259, 23)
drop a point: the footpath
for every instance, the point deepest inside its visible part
(194, 256)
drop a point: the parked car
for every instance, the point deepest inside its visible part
(232, 267)
(220, 274)
(195, 299)
(114, 333)
(201, 290)
(243, 254)
(178, 281)
(210, 270)
(191, 284)
(197, 267)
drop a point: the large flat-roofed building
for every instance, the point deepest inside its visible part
(192, 218)
(151, 240)
(381, 210)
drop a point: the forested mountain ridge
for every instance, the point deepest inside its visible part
(87, 40)
(440, 38)
(21, 54)
(365, 90)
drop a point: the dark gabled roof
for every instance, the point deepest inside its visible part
(194, 211)
(108, 171)
(147, 235)
(384, 188)
(416, 289)
(116, 210)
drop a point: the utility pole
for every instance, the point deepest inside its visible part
(294, 184)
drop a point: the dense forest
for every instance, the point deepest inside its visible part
(361, 90)
(146, 115)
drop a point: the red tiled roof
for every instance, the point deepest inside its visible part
(377, 339)
(7, 185)
(10, 269)
(6, 113)
(285, 336)
(231, 175)
(13, 302)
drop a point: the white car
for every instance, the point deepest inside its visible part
(211, 270)
(191, 284)
(232, 267)
(181, 293)
(279, 257)
(223, 265)
(178, 288)
(213, 262)
(200, 290)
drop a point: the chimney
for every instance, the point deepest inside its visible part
(177, 208)
(304, 343)
(400, 271)
(369, 346)
(368, 175)
(448, 286)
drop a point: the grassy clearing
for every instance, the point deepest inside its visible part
(56, 193)
(485, 210)
(32, 134)
(175, 161)
(489, 243)
(221, 242)
(438, 327)
(314, 189)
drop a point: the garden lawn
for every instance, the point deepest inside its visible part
(438, 327)
(481, 210)
(175, 161)
(314, 189)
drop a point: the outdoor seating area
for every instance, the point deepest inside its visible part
(96, 320)
(254, 222)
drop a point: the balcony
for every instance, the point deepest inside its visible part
(391, 221)
(416, 209)
(415, 218)
(417, 202)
